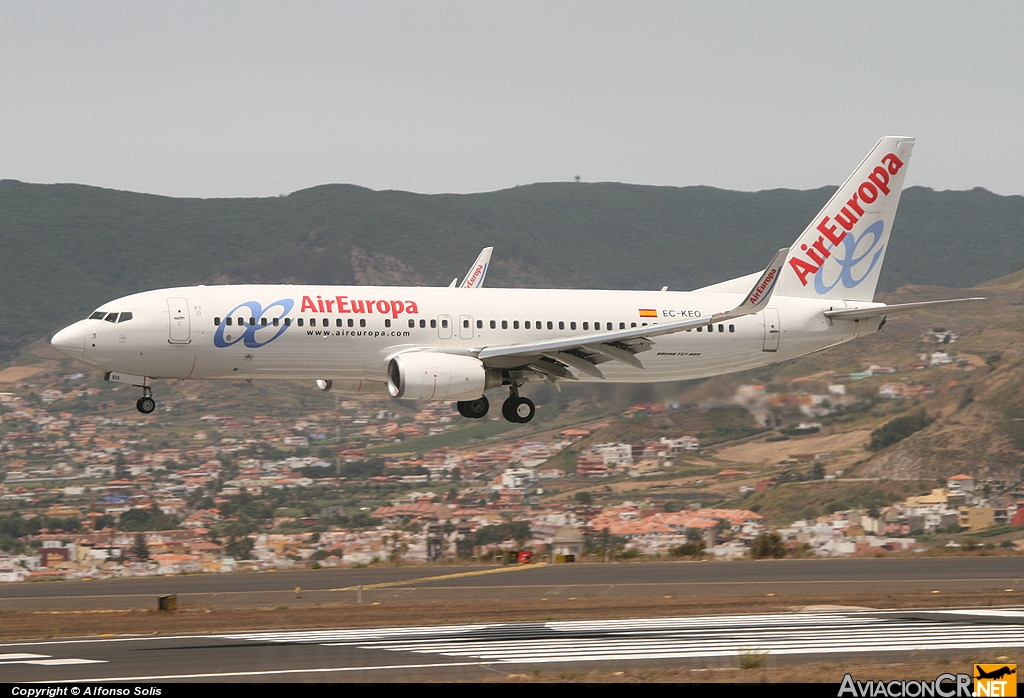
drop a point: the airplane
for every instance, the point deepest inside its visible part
(449, 344)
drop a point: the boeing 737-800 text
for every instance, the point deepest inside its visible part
(456, 343)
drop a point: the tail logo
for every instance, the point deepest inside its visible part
(876, 185)
(852, 259)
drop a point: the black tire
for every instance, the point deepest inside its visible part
(477, 409)
(145, 405)
(461, 405)
(506, 410)
(523, 410)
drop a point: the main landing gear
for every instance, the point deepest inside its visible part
(517, 409)
(146, 403)
(474, 409)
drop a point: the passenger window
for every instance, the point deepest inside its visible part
(433, 324)
(423, 323)
(526, 325)
(561, 325)
(504, 324)
(351, 323)
(608, 326)
(586, 325)
(572, 325)
(700, 329)
(622, 325)
(444, 323)
(387, 322)
(732, 328)
(479, 324)
(240, 321)
(312, 322)
(632, 324)
(287, 322)
(412, 323)
(465, 324)
(362, 322)
(111, 317)
(540, 325)
(721, 328)
(299, 322)
(98, 315)
(252, 322)
(493, 324)
(277, 321)
(125, 317)
(216, 321)
(263, 321)
(515, 324)
(339, 323)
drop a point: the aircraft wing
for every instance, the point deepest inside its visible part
(879, 310)
(477, 272)
(584, 351)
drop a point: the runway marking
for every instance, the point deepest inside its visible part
(43, 660)
(668, 638)
(457, 575)
(229, 674)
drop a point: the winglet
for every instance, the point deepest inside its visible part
(477, 272)
(762, 290)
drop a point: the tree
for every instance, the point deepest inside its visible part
(768, 545)
(140, 551)
(584, 498)
(239, 548)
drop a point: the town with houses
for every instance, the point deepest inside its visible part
(224, 483)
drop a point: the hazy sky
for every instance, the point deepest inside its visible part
(253, 99)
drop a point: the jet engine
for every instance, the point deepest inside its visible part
(431, 375)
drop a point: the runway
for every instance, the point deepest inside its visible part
(479, 583)
(468, 652)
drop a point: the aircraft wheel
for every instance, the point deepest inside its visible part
(518, 409)
(461, 405)
(477, 409)
(145, 405)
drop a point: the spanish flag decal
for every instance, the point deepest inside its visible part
(647, 312)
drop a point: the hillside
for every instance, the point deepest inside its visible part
(69, 248)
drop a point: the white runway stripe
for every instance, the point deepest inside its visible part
(691, 637)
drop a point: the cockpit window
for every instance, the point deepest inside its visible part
(98, 315)
(125, 317)
(111, 317)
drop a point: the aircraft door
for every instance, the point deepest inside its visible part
(772, 329)
(180, 328)
(466, 326)
(444, 326)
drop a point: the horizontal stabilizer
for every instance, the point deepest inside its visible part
(878, 311)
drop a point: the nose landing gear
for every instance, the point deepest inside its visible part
(518, 409)
(146, 404)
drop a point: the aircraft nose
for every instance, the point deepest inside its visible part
(70, 341)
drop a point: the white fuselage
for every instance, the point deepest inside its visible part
(348, 333)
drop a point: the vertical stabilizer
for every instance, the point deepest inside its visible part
(839, 255)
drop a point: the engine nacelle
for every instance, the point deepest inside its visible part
(433, 375)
